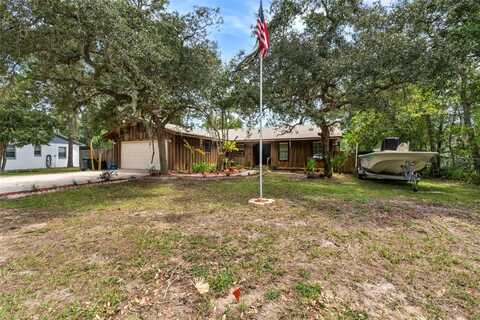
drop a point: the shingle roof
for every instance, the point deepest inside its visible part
(303, 132)
(193, 132)
(298, 133)
(61, 140)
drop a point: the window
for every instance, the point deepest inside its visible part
(283, 151)
(62, 152)
(317, 148)
(11, 152)
(37, 150)
(207, 145)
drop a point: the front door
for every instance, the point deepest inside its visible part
(266, 153)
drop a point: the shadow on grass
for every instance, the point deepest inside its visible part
(341, 195)
(380, 202)
(42, 207)
(342, 188)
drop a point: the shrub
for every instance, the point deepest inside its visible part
(461, 174)
(338, 161)
(311, 165)
(203, 167)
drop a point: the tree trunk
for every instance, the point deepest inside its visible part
(433, 146)
(92, 155)
(70, 152)
(325, 137)
(220, 158)
(71, 134)
(440, 138)
(3, 156)
(221, 154)
(162, 150)
(467, 121)
(100, 160)
(450, 148)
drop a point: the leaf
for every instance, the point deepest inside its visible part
(236, 293)
(202, 286)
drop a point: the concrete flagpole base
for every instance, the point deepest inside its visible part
(261, 201)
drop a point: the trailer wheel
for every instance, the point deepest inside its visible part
(415, 180)
(360, 174)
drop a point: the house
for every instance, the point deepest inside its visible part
(281, 150)
(51, 155)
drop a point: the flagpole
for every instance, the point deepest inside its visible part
(261, 125)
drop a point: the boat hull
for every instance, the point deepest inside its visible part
(393, 162)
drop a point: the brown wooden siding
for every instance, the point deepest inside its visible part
(298, 154)
(182, 158)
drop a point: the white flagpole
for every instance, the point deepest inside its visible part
(261, 128)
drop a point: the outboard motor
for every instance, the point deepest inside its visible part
(390, 144)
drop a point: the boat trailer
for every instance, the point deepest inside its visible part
(409, 174)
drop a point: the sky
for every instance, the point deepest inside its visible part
(239, 16)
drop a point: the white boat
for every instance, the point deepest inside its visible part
(394, 162)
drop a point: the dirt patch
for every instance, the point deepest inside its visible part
(97, 259)
(383, 299)
(63, 295)
(270, 311)
(166, 298)
(3, 261)
(33, 227)
(134, 286)
(177, 217)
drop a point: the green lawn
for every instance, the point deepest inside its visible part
(37, 171)
(337, 249)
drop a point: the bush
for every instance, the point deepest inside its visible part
(203, 167)
(461, 174)
(311, 165)
(338, 162)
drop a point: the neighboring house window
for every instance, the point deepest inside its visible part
(11, 152)
(62, 152)
(207, 144)
(283, 151)
(37, 150)
(317, 148)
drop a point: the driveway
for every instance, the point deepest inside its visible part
(28, 182)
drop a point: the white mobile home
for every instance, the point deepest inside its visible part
(52, 155)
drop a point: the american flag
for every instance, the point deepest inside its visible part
(263, 41)
(262, 32)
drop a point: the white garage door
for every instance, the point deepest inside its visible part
(138, 155)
